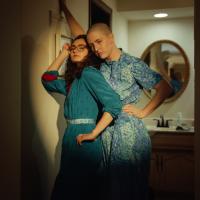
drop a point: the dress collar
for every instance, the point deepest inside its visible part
(111, 62)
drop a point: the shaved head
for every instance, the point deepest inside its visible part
(100, 27)
(101, 40)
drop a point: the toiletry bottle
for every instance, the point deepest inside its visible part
(179, 119)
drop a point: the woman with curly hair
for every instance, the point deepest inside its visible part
(87, 96)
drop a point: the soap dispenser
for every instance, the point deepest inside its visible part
(179, 120)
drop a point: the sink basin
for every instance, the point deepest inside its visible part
(154, 128)
(168, 129)
(186, 125)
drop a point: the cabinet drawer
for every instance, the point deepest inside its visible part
(172, 141)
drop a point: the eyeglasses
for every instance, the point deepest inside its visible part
(79, 48)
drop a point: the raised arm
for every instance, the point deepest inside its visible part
(50, 78)
(74, 26)
(56, 64)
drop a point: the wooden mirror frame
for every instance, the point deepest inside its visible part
(187, 72)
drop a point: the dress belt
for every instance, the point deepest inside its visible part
(81, 121)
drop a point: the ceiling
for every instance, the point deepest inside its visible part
(144, 9)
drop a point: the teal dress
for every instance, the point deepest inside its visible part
(81, 169)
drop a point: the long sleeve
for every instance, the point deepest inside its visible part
(52, 83)
(101, 90)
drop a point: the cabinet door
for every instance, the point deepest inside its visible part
(154, 178)
(177, 172)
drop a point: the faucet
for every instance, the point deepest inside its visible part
(162, 122)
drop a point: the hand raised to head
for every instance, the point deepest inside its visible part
(65, 50)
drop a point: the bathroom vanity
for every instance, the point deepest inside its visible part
(172, 164)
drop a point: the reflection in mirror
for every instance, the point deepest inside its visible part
(168, 59)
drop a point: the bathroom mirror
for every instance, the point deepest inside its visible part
(169, 59)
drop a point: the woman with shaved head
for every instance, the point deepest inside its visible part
(126, 144)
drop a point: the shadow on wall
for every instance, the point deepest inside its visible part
(61, 125)
(38, 172)
(30, 178)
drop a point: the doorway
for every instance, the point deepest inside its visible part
(99, 12)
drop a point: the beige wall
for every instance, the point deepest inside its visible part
(119, 26)
(10, 119)
(181, 31)
(39, 110)
(42, 115)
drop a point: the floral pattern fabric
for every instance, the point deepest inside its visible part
(126, 144)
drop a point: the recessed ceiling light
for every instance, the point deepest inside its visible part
(160, 15)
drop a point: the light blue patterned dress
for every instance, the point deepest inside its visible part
(127, 146)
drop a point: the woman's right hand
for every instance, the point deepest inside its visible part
(65, 50)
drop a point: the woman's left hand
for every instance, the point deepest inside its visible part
(132, 110)
(83, 137)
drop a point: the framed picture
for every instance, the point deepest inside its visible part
(99, 12)
(61, 39)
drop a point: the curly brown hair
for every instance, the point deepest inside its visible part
(73, 70)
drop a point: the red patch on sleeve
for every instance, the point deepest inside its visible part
(68, 87)
(49, 77)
